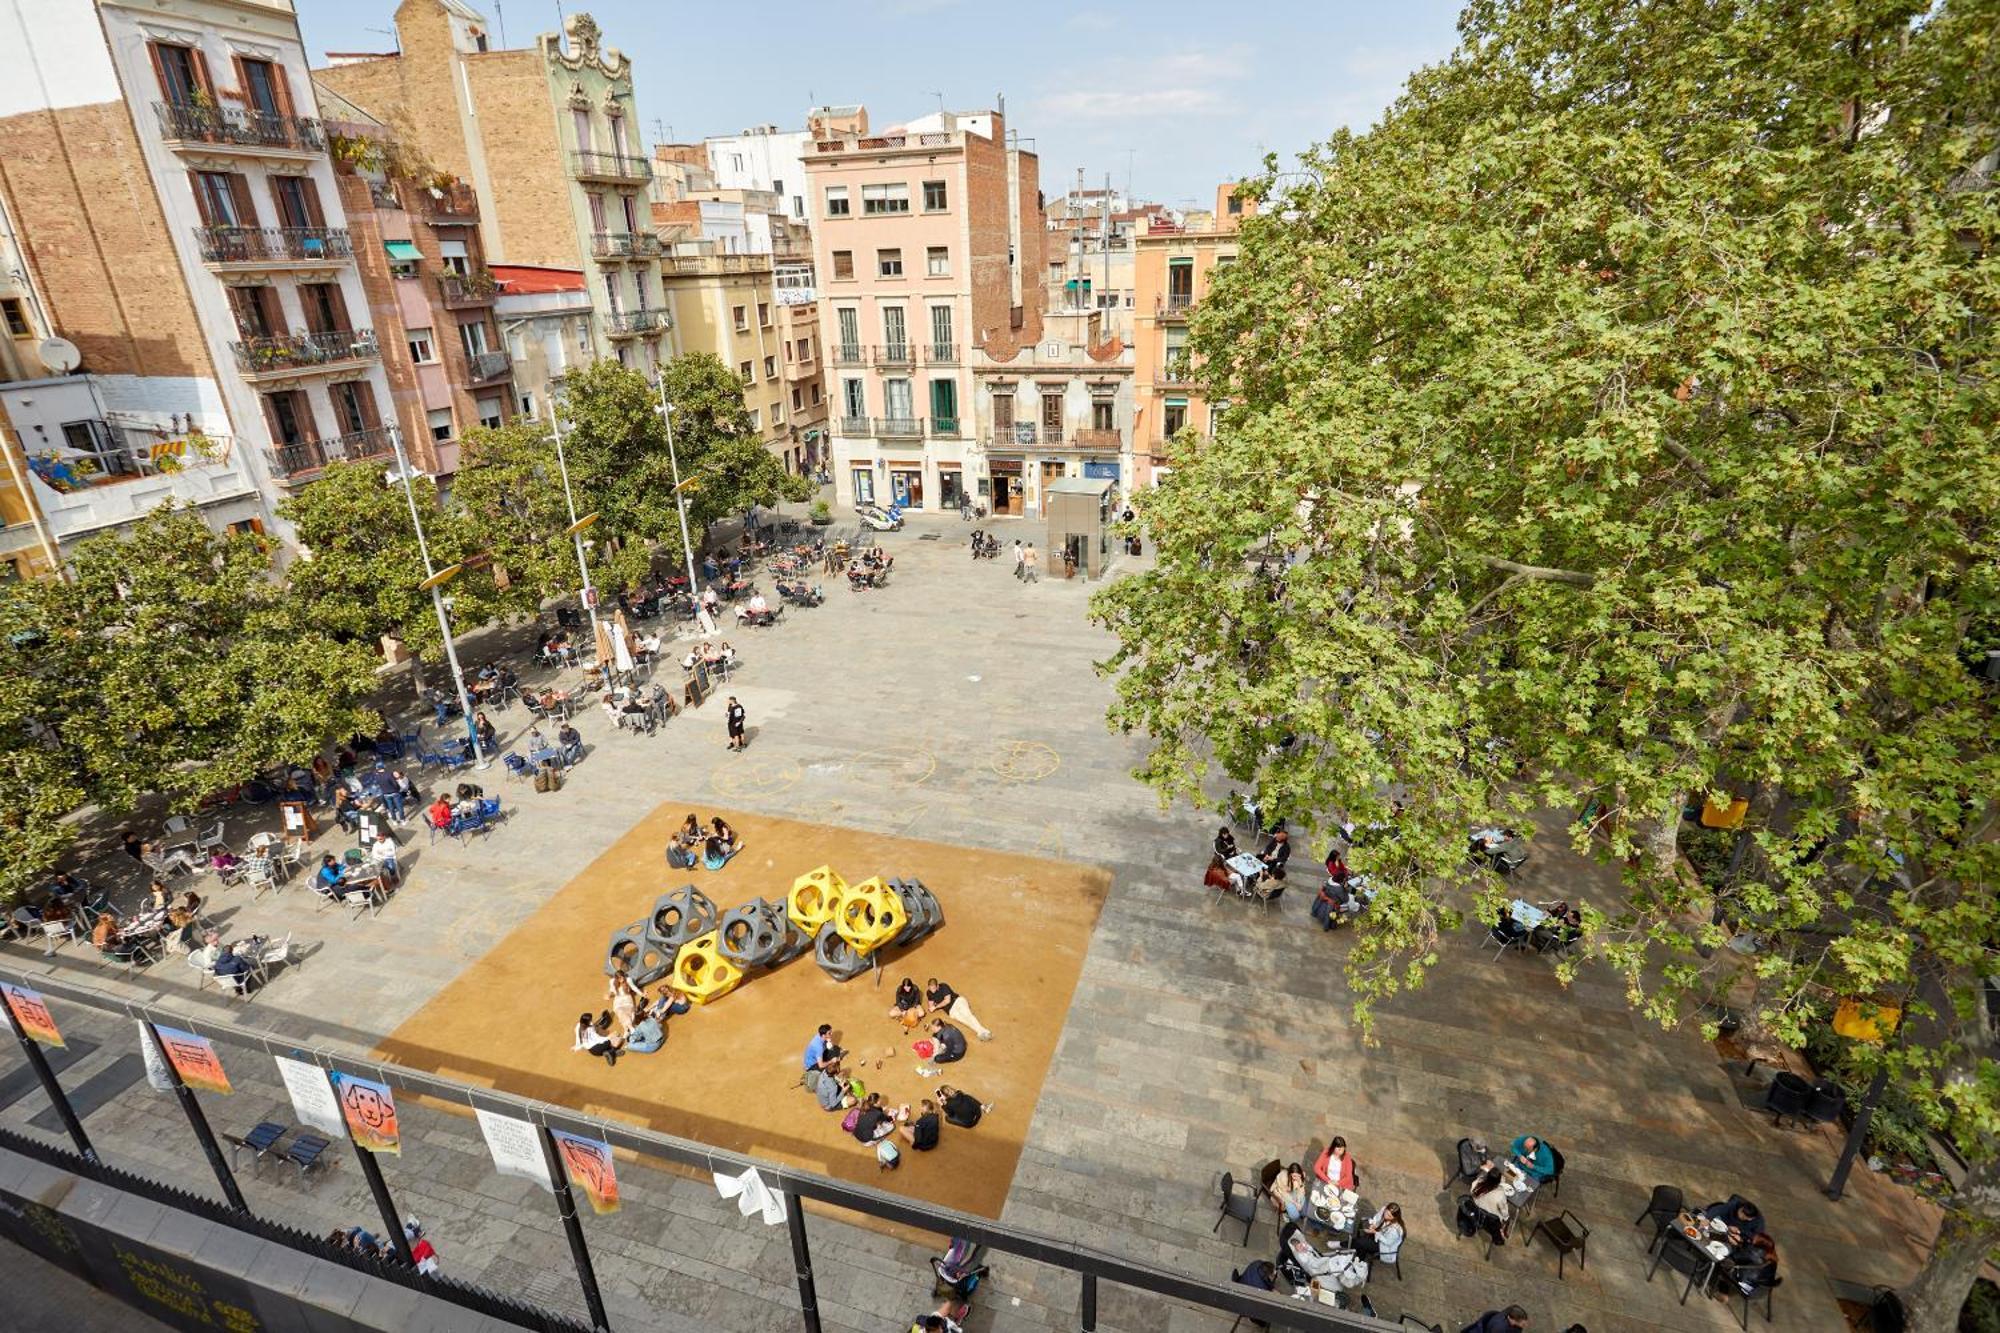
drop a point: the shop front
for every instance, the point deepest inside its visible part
(1004, 481)
(951, 485)
(906, 482)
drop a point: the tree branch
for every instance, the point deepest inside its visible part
(1686, 455)
(1543, 572)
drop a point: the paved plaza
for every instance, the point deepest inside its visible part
(959, 706)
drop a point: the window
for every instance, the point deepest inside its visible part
(580, 122)
(777, 186)
(16, 316)
(753, 420)
(934, 197)
(1103, 414)
(474, 338)
(889, 263)
(453, 258)
(815, 389)
(421, 351)
(1174, 417)
(527, 405)
(256, 311)
(805, 349)
(798, 400)
(799, 207)
(743, 369)
(490, 412)
(595, 202)
(854, 398)
(879, 199)
(631, 206)
(843, 263)
(770, 367)
(941, 348)
(1235, 205)
(777, 413)
(298, 202)
(439, 419)
(353, 406)
(614, 123)
(223, 199)
(740, 317)
(262, 87)
(764, 314)
(325, 308)
(836, 201)
(182, 72)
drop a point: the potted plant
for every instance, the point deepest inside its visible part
(822, 514)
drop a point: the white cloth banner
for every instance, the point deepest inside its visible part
(516, 1146)
(752, 1196)
(312, 1096)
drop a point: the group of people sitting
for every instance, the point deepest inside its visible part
(1560, 927)
(629, 709)
(1269, 878)
(631, 1025)
(446, 814)
(568, 744)
(716, 657)
(873, 1122)
(1753, 1255)
(1344, 1264)
(869, 568)
(711, 847)
(1497, 1194)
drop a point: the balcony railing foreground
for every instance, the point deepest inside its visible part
(233, 127)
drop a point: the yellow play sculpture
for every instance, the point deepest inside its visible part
(703, 974)
(870, 914)
(814, 897)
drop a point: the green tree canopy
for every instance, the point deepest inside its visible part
(1615, 423)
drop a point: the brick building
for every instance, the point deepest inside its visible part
(180, 225)
(927, 243)
(566, 189)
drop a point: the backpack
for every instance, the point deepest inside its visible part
(1468, 1216)
(1351, 1274)
(886, 1155)
(853, 1118)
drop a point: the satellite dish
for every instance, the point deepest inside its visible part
(59, 355)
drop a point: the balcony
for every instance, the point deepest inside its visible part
(616, 245)
(940, 354)
(305, 458)
(711, 265)
(1110, 441)
(895, 354)
(614, 167)
(296, 353)
(854, 426)
(850, 354)
(1024, 435)
(634, 323)
(474, 288)
(1177, 370)
(233, 130)
(944, 428)
(900, 428)
(273, 247)
(1174, 306)
(483, 366)
(451, 205)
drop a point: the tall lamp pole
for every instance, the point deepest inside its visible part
(434, 580)
(576, 525)
(680, 500)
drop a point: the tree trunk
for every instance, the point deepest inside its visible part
(417, 673)
(1971, 1232)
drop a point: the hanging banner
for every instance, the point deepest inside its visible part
(588, 1162)
(752, 1195)
(516, 1146)
(158, 1076)
(370, 1110)
(312, 1096)
(194, 1059)
(33, 1016)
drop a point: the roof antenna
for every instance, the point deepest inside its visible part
(500, 16)
(394, 36)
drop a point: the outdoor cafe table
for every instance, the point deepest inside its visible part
(1526, 914)
(1247, 866)
(1334, 1210)
(549, 755)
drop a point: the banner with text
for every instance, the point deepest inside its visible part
(588, 1163)
(312, 1096)
(33, 1015)
(193, 1059)
(516, 1146)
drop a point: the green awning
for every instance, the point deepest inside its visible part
(403, 252)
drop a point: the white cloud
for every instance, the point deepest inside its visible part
(1107, 105)
(1173, 83)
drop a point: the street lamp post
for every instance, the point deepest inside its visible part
(680, 501)
(432, 582)
(576, 525)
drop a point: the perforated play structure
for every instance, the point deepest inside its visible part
(709, 953)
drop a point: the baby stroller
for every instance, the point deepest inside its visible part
(959, 1270)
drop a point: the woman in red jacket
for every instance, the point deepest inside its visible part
(1336, 1165)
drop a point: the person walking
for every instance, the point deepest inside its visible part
(1019, 558)
(1029, 563)
(737, 739)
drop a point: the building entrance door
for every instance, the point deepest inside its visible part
(1006, 479)
(1053, 470)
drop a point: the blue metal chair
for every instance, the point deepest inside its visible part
(517, 767)
(308, 1154)
(259, 1141)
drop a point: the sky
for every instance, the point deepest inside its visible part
(1180, 94)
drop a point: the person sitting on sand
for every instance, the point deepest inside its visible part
(909, 1006)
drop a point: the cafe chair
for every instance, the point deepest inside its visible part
(1683, 1256)
(1239, 1203)
(1661, 1209)
(55, 934)
(1829, 1100)
(1555, 1184)
(1236, 1276)
(1788, 1098)
(1468, 1165)
(211, 841)
(517, 767)
(1759, 1286)
(1568, 1234)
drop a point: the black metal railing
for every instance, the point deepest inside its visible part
(610, 166)
(483, 366)
(483, 1300)
(449, 203)
(1175, 305)
(232, 127)
(895, 354)
(905, 428)
(303, 457)
(944, 428)
(462, 289)
(622, 322)
(273, 245)
(303, 351)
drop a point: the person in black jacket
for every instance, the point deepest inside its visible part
(922, 1132)
(950, 1042)
(1510, 1320)
(909, 1006)
(961, 1108)
(1276, 852)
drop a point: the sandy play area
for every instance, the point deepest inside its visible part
(1016, 929)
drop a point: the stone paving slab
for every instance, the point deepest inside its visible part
(960, 706)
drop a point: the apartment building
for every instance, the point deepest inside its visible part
(928, 244)
(415, 233)
(1173, 265)
(545, 316)
(544, 136)
(767, 158)
(1056, 408)
(180, 227)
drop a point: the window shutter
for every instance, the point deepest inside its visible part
(338, 301)
(282, 88)
(200, 59)
(201, 199)
(364, 396)
(239, 190)
(242, 82)
(160, 72)
(309, 191)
